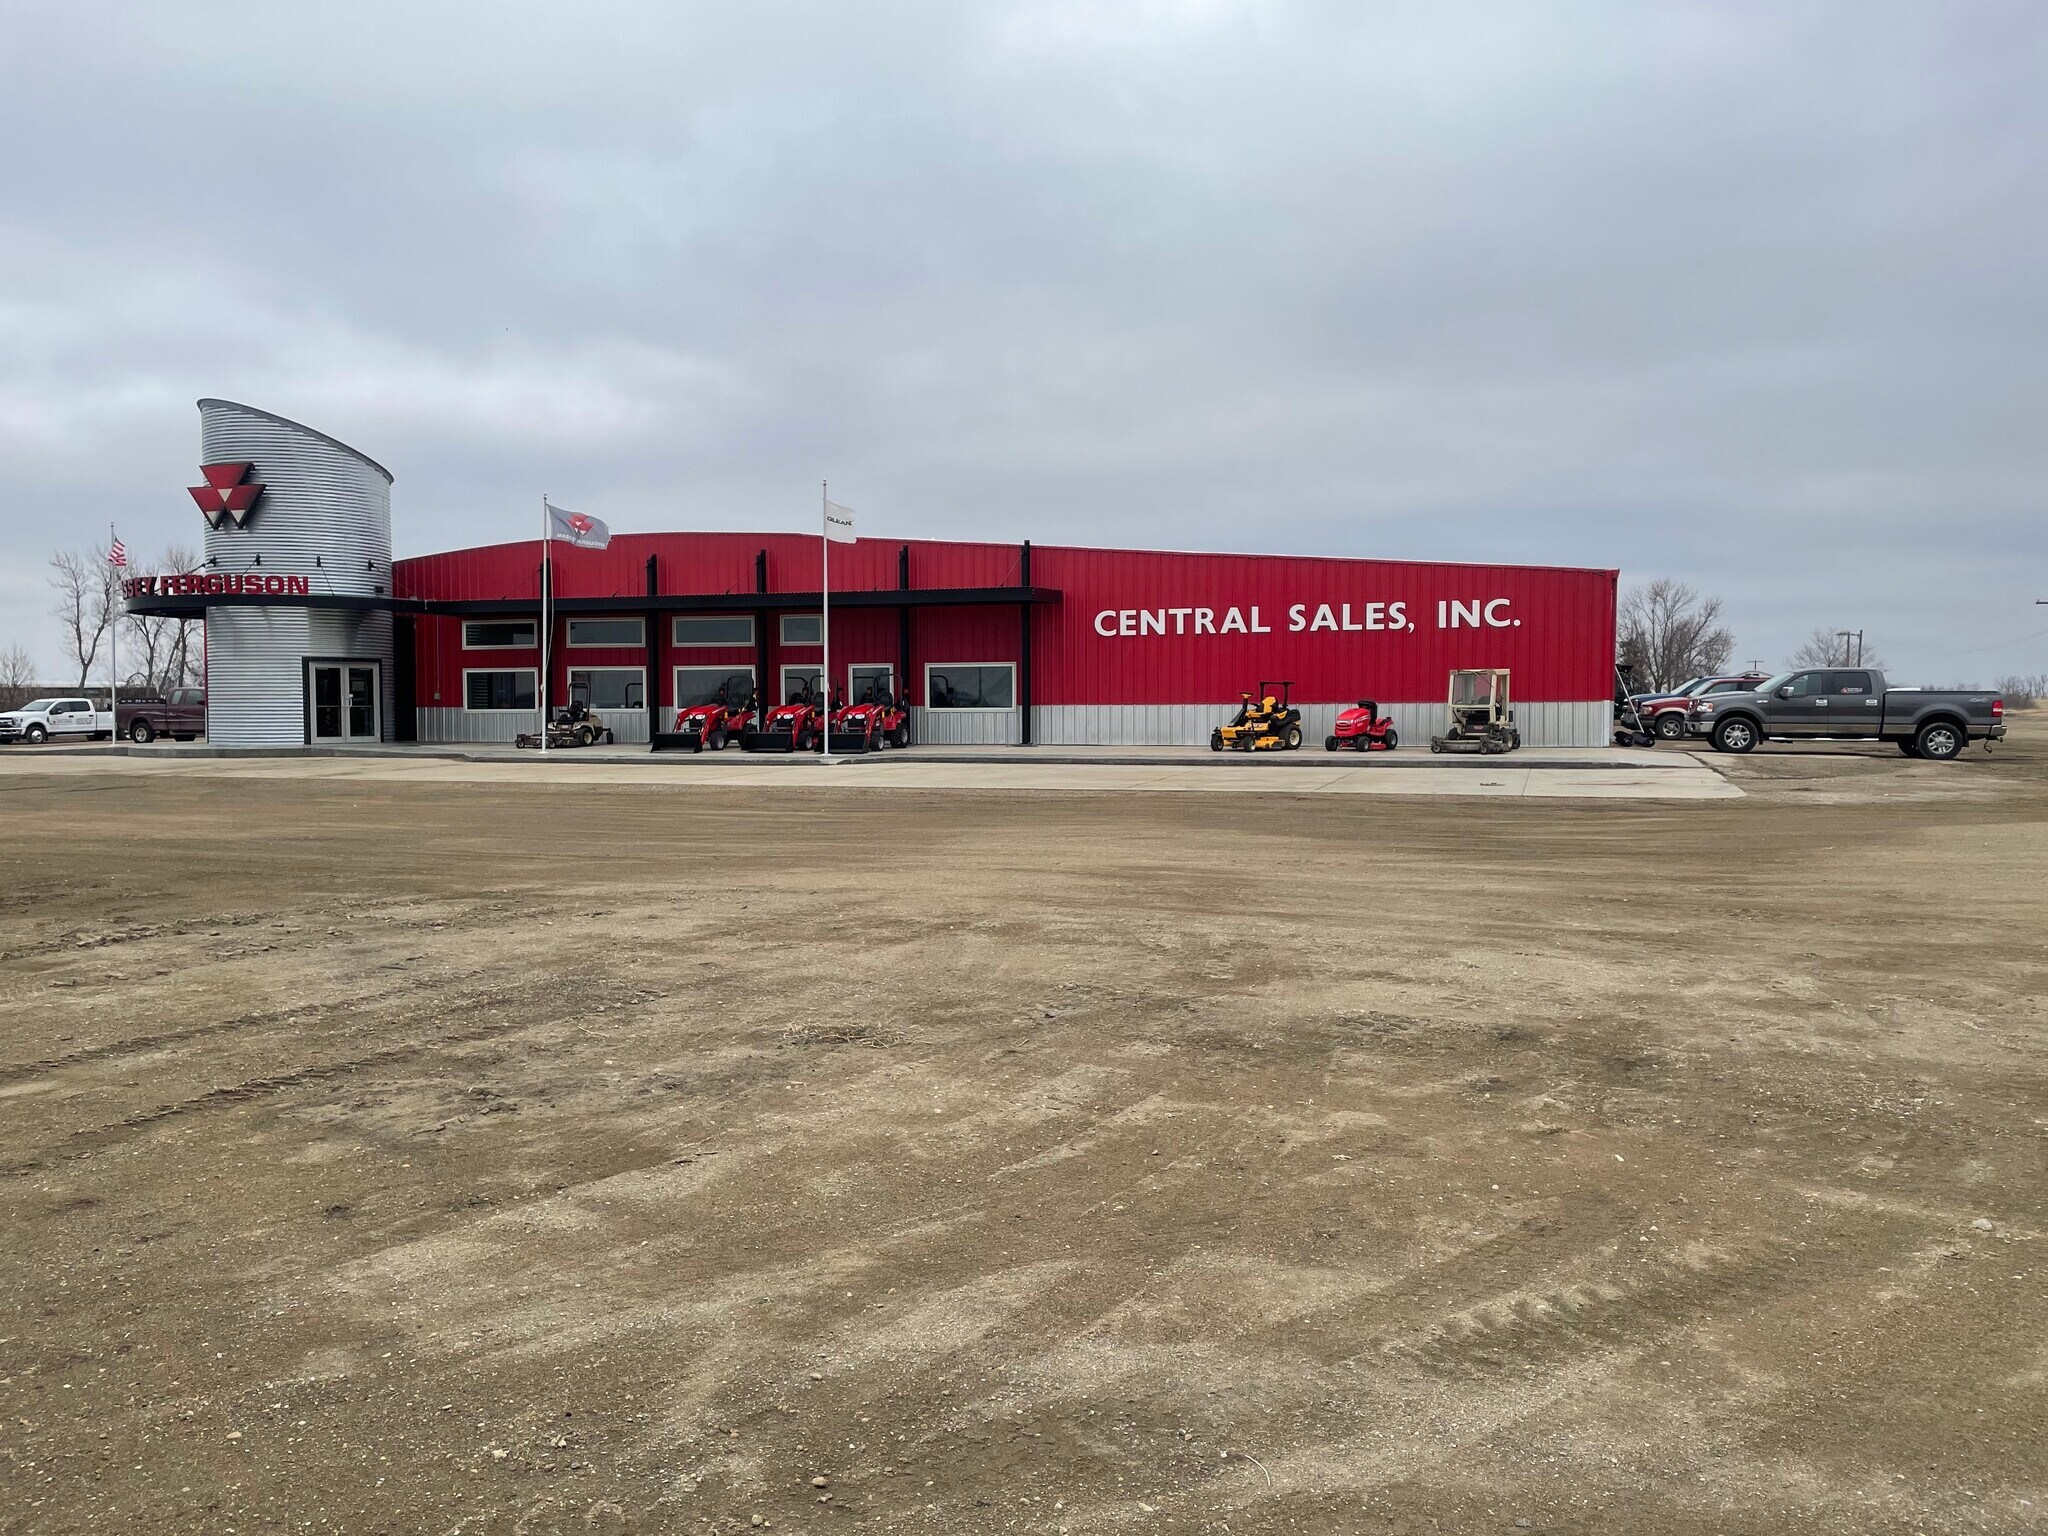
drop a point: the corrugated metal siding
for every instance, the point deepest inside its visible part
(966, 727)
(1562, 724)
(325, 515)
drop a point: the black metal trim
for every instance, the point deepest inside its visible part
(167, 605)
(1024, 652)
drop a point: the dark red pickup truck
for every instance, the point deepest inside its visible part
(181, 716)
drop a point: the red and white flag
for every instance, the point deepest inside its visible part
(578, 528)
(117, 554)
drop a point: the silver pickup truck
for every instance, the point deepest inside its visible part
(1849, 704)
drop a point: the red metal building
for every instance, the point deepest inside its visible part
(993, 642)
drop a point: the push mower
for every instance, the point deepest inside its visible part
(1363, 729)
(1630, 728)
(1480, 717)
(721, 719)
(877, 721)
(1264, 722)
(573, 726)
(797, 726)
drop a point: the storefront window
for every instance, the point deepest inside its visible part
(715, 631)
(700, 685)
(608, 687)
(607, 632)
(499, 634)
(802, 628)
(510, 689)
(986, 686)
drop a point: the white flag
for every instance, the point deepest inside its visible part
(578, 528)
(838, 523)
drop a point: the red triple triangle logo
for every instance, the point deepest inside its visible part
(224, 495)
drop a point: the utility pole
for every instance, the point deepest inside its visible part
(1846, 635)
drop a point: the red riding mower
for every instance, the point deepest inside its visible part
(723, 718)
(877, 721)
(1363, 729)
(798, 726)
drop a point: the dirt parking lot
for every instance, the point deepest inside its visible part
(493, 1159)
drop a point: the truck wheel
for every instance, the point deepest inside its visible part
(35, 735)
(142, 733)
(1734, 735)
(1939, 741)
(1671, 726)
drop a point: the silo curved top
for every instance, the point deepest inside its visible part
(324, 511)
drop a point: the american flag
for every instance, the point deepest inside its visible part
(117, 554)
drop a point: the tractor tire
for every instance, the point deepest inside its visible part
(35, 735)
(1393, 740)
(1939, 740)
(803, 741)
(698, 744)
(900, 737)
(1215, 741)
(1436, 746)
(1329, 743)
(1734, 735)
(141, 732)
(1669, 726)
(1292, 741)
(718, 739)
(585, 736)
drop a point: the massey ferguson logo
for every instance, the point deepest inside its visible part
(224, 495)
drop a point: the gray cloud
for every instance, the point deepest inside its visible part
(1744, 293)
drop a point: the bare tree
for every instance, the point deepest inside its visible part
(2023, 691)
(162, 648)
(84, 584)
(1670, 633)
(1833, 648)
(17, 676)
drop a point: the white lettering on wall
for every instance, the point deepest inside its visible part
(1303, 618)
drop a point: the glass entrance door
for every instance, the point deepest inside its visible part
(344, 700)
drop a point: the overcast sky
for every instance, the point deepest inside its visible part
(1754, 295)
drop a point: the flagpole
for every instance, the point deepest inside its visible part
(541, 693)
(114, 666)
(825, 614)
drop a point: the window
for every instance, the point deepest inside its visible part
(715, 631)
(860, 679)
(802, 629)
(1728, 687)
(794, 680)
(608, 687)
(1857, 683)
(1807, 685)
(500, 634)
(976, 685)
(510, 689)
(699, 685)
(607, 632)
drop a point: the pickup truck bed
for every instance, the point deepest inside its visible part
(1849, 704)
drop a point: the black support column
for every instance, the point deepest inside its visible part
(764, 687)
(903, 629)
(1024, 654)
(652, 624)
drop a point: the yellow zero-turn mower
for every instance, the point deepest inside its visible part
(1264, 722)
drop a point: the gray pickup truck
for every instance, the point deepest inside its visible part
(1849, 704)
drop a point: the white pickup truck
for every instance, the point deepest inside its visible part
(41, 720)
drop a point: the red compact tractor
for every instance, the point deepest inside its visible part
(878, 720)
(1363, 729)
(798, 726)
(723, 718)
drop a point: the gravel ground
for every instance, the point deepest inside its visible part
(488, 1159)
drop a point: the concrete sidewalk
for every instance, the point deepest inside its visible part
(1531, 773)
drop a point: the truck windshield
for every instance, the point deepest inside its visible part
(1773, 684)
(38, 706)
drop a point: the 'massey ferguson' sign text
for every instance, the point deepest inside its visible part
(1302, 618)
(217, 584)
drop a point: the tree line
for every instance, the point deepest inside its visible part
(156, 654)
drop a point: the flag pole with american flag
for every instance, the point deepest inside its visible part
(117, 560)
(837, 528)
